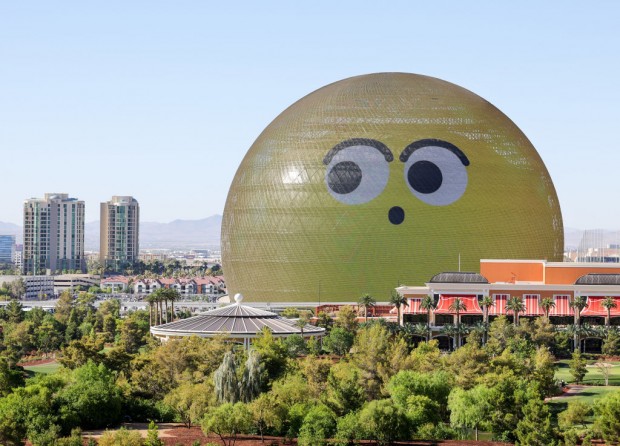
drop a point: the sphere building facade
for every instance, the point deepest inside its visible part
(381, 180)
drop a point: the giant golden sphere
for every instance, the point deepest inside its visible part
(381, 180)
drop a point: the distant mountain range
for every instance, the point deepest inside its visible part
(205, 234)
(178, 234)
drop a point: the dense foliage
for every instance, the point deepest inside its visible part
(373, 381)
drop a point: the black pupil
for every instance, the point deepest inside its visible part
(344, 177)
(425, 177)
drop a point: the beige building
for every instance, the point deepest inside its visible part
(120, 221)
(53, 235)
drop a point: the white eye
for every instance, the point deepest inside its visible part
(357, 170)
(435, 171)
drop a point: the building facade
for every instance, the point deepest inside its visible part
(120, 221)
(53, 234)
(7, 248)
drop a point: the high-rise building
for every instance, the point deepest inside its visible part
(7, 248)
(53, 234)
(120, 221)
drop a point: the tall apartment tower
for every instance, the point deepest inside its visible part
(120, 221)
(53, 235)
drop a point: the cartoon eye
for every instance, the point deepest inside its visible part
(357, 170)
(435, 171)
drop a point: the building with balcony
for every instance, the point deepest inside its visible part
(119, 242)
(53, 235)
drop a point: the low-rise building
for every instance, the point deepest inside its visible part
(115, 284)
(71, 282)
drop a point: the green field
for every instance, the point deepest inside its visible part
(43, 368)
(594, 376)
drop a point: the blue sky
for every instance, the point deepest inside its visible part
(161, 100)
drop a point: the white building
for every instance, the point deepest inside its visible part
(120, 221)
(53, 234)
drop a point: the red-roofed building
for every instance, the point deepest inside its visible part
(116, 284)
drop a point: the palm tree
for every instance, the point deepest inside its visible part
(608, 303)
(151, 299)
(367, 301)
(516, 305)
(302, 321)
(547, 303)
(428, 304)
(398, 300)
(487, 301)
(457, 306)
(578, 304)
(171, 295)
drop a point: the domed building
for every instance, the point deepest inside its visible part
(241, 323)
(380, 180)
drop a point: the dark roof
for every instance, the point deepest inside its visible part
(236, 320)
(599, 279)
(458, 277)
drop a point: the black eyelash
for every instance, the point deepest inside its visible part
(387, 153)
(404, 156)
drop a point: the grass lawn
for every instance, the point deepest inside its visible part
(43, 368)
(593, 377)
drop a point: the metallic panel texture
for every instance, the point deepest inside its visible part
(380, 180)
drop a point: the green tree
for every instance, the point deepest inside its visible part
(486, 302)
(398, 300)
(608, 303)
(273, 353)
(253, 380)
(345, 392)
(226, 381)
(227, 421)
(436, 386)
(339, 341)
(15, 312)
(575, 414)
(610, 343)
(607, 417)
(577, 367)
(190, 401)
(295, 345)
(578, 304)
(92, 396)
(325, 321)
(348, 429)
(547, 303)
(517, 306)
(370, 349)
(469, 409)
(457, 306)
(131, 336)
(80, 351)
(534, 428)
(366, 301)
(152, 436)
(10, 378)
(501, 332)
(318, 425)
(63, 307)
(384, 422)
(29, 412)
(347, 319)
(17, 288)
(48, 336)
(428, 304)
(267, 413)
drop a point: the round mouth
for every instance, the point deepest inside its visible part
(396, 215)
